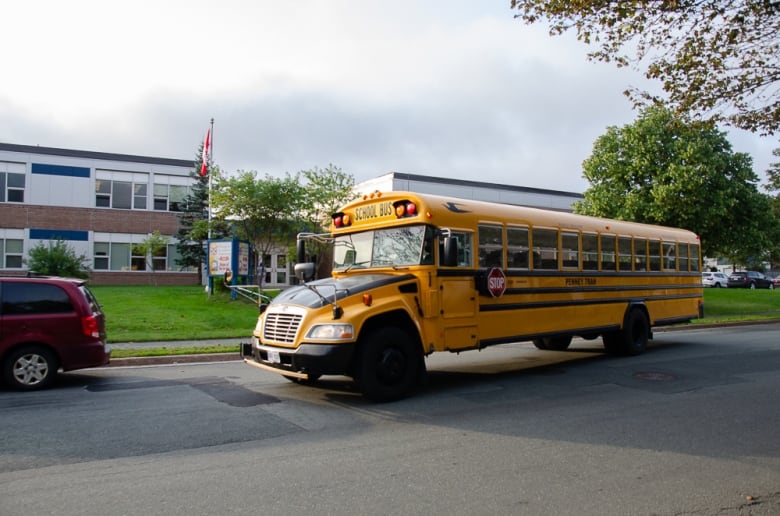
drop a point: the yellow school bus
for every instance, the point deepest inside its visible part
(415, 274)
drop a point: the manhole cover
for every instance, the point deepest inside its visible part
(654, 377)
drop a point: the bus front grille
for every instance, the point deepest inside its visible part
(281, 327)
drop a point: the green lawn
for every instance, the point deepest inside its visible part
(733, 304)
(142, 314)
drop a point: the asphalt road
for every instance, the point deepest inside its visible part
(690, 427)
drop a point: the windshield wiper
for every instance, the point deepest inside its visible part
(337, 310)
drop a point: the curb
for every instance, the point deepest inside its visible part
(173, 359)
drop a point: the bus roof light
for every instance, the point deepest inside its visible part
(341, 220)
(405, 208)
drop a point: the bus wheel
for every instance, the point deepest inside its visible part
(632, 339)
(389, 365)
(553, 343)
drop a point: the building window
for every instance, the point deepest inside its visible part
(11, 252)
(173, 256)
(121, 190)
(137, 258)
(169, 197)
(130, 257)
(123, 195)
(102, 256)
(11, 187)
(160, 259)
(112, 256)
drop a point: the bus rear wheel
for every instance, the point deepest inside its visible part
(632, 339)
(553, 343)
(388, 364)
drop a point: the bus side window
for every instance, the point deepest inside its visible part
(624, 253)
(655, 255)
(517, 248)
(670, 256)
(608, 258)
(640, 254)
(491, 246)
(590, 251)
(694, 257)
(683, 258)
(570, 250)
(545, 245)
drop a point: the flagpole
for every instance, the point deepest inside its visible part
(211, 153)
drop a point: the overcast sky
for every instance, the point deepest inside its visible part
(447, 88)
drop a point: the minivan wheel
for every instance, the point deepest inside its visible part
(29, 368)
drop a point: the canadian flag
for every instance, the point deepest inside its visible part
(204, 167)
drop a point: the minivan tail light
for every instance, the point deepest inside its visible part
(89, 326)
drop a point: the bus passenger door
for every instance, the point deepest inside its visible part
(459, 305)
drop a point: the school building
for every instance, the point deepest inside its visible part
(103, 205)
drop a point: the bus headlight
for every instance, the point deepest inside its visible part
(331, 332)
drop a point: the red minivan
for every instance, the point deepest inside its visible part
(48, 324)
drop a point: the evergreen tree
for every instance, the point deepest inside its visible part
(193, 218)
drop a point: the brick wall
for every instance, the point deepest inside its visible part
(15, 216)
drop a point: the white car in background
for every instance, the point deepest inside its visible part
(714, 279)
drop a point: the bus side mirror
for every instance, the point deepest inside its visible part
(450, 254)
(304, 271)
(300, 251)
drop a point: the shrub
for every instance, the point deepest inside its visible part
(57, 259)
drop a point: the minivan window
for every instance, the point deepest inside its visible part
(33, 298)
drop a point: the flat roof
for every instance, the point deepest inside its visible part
(108, 156)
(478, 184)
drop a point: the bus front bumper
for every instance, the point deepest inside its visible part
(305, 361)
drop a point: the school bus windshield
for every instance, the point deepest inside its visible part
(389, 247)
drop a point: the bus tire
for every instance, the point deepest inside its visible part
(632, 339)
(389, 364)
(560, 343)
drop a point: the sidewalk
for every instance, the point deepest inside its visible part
(176, 359)
(180, 343)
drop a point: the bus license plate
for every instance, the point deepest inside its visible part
(274, 358)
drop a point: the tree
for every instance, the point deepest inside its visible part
(265, 211)
(716, 59)
(773, 173)
(664, 170)
(773, 185)
(57, 258)
(326, 191)
(193, 218)
(153, 246)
